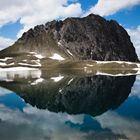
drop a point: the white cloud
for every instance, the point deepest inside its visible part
(5, 42)
(135, 37)
(110, 7)
(34, 12)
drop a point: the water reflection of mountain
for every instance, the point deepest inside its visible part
(75, 95)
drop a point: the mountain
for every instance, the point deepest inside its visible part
(74, 39)
(71, 93)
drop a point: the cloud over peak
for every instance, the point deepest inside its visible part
(110, 7)
(34, 12)
(5, 42)
(135, 38)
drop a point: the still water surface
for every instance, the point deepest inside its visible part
(42, 106)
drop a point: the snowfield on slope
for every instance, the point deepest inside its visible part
(57, 57)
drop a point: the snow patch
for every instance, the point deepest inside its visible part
(57, 57)
(3, 64)
(32, 52)
(36, 61)
(138, 65)
(119, 62)
(11, 64)
(116, 75)
(6, 58)
(35, 65)
(39, 56)
(57, 79)
(69, 52)
(59, 43)
(24, 60)
(89, 65)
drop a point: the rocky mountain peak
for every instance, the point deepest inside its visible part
(87, 38)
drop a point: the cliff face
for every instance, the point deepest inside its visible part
(88, 38)
(94, 38)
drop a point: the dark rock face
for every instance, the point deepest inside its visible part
(91, 37)
(92, 95)
(94, 38)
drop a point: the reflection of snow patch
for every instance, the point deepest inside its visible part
(57, 57)
(85, 69)
(40, 80)
(60, 90)
(17, 69)
(57, 79)
(70, 81)
(9, 74)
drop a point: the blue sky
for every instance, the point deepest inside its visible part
(17, 16)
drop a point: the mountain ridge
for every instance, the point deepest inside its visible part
(87, 38)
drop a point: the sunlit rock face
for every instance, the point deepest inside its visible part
(73, 94)
(87, 38)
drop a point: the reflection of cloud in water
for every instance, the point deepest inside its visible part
(42, 125)
(4, 91)
(120, 125)
(37, 124)
(136, 88)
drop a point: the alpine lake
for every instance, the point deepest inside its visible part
(69, 105)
